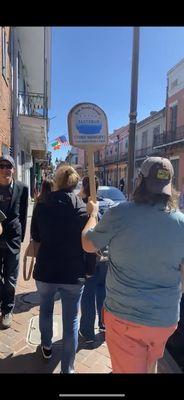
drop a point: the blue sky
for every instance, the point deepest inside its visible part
(93, 64)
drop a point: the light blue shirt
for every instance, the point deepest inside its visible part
(146, 246)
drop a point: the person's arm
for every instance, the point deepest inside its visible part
(79, 208)
(92, 209)
(23, 210)
(35, 234)
(2, 218)
(97, 235)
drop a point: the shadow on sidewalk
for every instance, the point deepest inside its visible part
(99, 339)
(31, 363)
(26, 301)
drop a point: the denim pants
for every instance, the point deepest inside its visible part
(70, 296)
(92, 299)
(9, 268)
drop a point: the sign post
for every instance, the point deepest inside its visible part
(88, 130)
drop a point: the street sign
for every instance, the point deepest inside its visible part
(88, 130)
(87, 124)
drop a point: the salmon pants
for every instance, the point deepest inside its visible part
(134, 348)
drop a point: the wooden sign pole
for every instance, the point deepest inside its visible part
(91, 172)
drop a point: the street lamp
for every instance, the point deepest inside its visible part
(133, 110)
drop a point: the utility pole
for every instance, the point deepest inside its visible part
(133, 110)
(117, 161)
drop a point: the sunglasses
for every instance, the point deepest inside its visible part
(6, 166)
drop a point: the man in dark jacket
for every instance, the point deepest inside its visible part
(14, 204)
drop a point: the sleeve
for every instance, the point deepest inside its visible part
(35, 235)
(109, 225)
(80, 210)
(2, 216)
(23, 210)
(90, 263)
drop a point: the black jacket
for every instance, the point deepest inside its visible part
(57, 224)
(15, 225)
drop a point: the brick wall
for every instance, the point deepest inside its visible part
(179, 97)
(5, 94)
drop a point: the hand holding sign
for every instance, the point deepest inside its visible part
(88, 130)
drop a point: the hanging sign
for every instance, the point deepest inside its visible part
(87, 128)
(87, 124)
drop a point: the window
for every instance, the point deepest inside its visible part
(174, 83)
(173, 117)
(144, 139)
(22, 157)
(175, 164)
(4, 52)
(5, 150)
(156, 131)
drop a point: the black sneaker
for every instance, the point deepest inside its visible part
(6, 320)
(47, 353)
(85, 339)
(102, 328)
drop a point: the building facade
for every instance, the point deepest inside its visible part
(5, 90)
(31, 60)
(112, 161)
(147, 131)
(76, 158)
(171, 142)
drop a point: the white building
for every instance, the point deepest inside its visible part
(146, 132)
(31, 69)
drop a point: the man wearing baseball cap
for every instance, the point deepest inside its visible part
(13, 204)
(158, 173)
(144, 279)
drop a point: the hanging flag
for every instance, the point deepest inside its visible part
(62, 139)
(55, 143)
(57, 147)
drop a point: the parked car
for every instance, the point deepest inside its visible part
(109, 196)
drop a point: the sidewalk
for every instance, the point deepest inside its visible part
(18, 344)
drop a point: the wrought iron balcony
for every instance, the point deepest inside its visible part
(141, 153)
(111, 158)
(32, 105)
(169, 137)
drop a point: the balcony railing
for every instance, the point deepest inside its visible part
(176, 135)
(110, 159)
(32, 105)
(140, 153)
(143, 152)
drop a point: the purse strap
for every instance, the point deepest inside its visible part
(25, 275)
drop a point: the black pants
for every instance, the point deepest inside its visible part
(9, 268)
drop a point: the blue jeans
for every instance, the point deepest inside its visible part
(9, 268)
(70, 297)
(92, 299)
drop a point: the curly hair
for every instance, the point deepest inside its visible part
(141, 195)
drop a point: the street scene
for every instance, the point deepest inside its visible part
(91, 200)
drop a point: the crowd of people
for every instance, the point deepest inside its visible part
(126, 266)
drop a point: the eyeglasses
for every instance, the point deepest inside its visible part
(6, 166)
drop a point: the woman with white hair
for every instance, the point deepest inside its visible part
(57, 224)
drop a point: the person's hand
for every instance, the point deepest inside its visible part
(92, 207)
(81, 194)
(1, 229)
